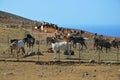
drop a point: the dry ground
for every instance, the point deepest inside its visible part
(32, 71)
(27, 69)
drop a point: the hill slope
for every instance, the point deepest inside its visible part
(12, 20)
(8, 19)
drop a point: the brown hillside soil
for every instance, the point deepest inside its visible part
(29, 70)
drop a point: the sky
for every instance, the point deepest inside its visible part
(66, 12)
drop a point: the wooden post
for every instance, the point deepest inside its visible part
(32, 35)
(38, 53)
(59, 56)
(38, 56)
(67, 50)
(118, 56)
(17, 55)
(79, 52)
(99, 58)
(9, 50)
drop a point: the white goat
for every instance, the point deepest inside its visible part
(57, 46)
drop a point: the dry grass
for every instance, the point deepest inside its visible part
(10, 70)
(19, 33)
(10, 33)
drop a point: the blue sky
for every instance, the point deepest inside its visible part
(66, 12)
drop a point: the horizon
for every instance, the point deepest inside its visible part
(67, 12)
(99, 29)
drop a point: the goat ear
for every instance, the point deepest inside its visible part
(53, 40)
(38, 27)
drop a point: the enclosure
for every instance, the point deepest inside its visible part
(80, 55)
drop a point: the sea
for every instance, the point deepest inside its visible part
(113, 31)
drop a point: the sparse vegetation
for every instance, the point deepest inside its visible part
(10, 33)
(29, 70)
(6, 33)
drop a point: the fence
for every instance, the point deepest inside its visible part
(80, 55)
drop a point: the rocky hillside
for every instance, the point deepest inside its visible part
(11, 20)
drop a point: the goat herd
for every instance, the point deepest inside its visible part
(65, 44)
